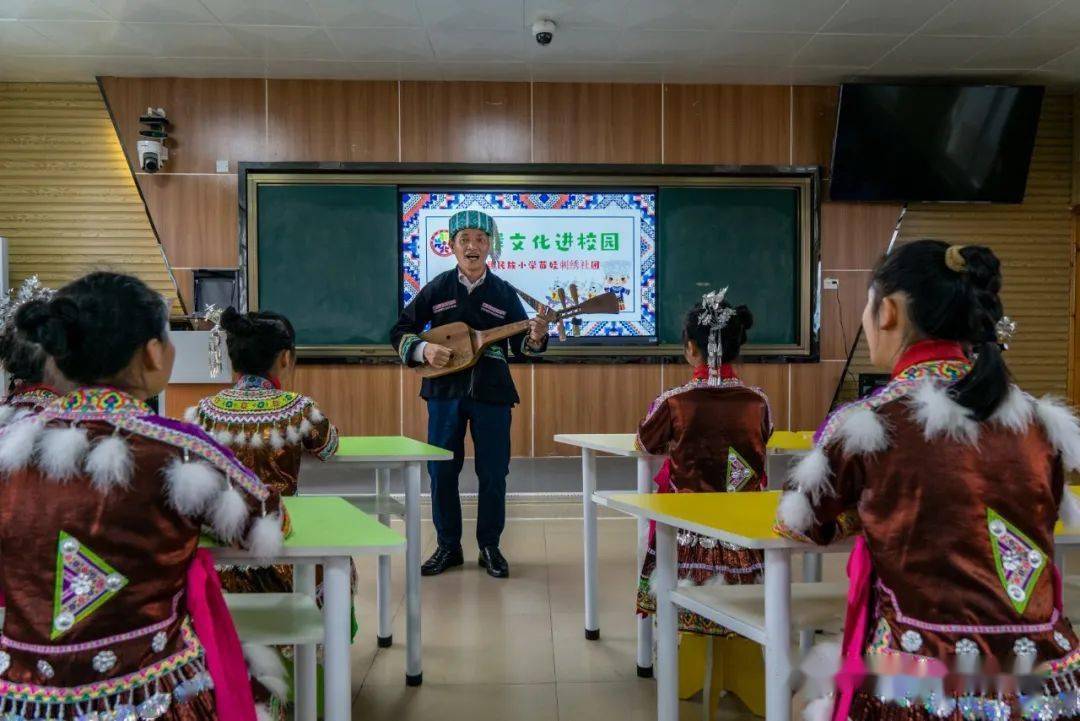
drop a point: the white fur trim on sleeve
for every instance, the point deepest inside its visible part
(265, 538)
(192, 486)
(1062, 429)
(191, 414)
(795, 511)
(811, 475)
(61, 452)
(316, 415)
(862, 432)
(940, 415)
(1016, 411)
(18, 443)
(228, 515)
(109, 464)
(266, 667)
(6, 414)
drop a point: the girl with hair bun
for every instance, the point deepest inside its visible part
(714, 431)
(268, 428)
(951, 478)
(101, 507)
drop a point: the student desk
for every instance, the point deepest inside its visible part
(326, 531)
(383, 454)
(744, 519)
(622, 444)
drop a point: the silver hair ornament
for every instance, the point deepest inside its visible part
(715, 316)
(30, 289)
(1005, 329)
(212, 315)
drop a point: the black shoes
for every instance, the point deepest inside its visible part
(492, 560)
(444, 557)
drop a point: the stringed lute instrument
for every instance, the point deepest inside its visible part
(467, 344)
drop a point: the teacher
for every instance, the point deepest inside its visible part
(481, 396)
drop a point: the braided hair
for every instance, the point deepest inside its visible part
(255, 339)
(732, 335)
(953, 294)
(94, 325)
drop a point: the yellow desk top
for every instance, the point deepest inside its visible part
(745, 519)
(622, 444)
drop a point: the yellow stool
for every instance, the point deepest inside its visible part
(738, 666)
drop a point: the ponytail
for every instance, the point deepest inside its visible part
(953, 294)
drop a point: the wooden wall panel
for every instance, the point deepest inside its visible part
(727, 124)
(212, 118)
(590, 399)
(68, 214)
(332, 120)
(841, 314)
(468, 122)
(415, 417)
(362, 400)
(812, 388)
(854, 235)
(596, 123)
(814, 114)
(195, 217)
(181, 396)
(773, 379)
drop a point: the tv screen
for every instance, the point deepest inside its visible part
(582, 243)
(934, 142)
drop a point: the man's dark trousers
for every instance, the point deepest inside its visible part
(490, 427)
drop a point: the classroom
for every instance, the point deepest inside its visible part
(544, 360)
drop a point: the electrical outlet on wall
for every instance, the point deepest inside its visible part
(832, 284)
(223, 166)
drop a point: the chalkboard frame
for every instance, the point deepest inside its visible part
(804, 179)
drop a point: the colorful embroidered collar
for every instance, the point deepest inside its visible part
(104, 401)
(926, 351)
(252, 382)
(727, 372)
(36, 394)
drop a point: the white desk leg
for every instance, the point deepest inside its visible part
(382, 582)
(306, 664)
(777, 634)
(337, 671)
(414, 674)
(667, 626)
(588, 487)
(644, 623)
(811, 573)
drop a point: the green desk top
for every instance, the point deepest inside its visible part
(388, 448)
(326, 526)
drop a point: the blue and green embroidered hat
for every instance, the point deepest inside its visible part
(475, 219)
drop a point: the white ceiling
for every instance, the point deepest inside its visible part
(728, 41)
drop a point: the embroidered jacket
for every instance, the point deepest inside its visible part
(268, 429)
(24, 400)
(715, 434)
(445, 300)
(101, 507)
(958, 517)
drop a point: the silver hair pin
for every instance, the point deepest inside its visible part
(212, 315)
(715, 316)
(1005, 329)
(30, 289)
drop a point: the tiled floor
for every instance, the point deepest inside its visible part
(515, 648)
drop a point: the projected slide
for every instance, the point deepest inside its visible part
(596, 242)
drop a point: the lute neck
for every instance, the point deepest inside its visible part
(494, 335)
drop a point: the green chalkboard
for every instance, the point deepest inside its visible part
(327, 256)
(745, 238)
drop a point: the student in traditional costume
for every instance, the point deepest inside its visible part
(101, 507)
(951, 478)
(33, 381)
(268, 428)
(714, 431)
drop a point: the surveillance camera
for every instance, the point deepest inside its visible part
(152, 155)
(544, 30)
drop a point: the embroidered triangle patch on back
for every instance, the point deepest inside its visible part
(739, 472)
(1018, 559)
(84, 581)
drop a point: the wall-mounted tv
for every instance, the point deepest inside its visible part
(958, 143)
